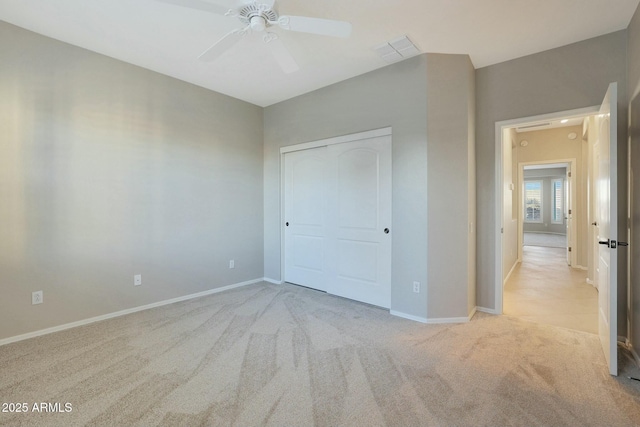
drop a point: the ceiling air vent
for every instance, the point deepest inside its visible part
(397, 49)
(537, 125)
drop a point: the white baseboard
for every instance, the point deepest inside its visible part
(589, 281)
(544, 232)
(513, 267)
(441, 320)
(274, 281)
(434, 321)
(123, 312)
(408, 316)
(473, 313)
(486, 310)
(581, 267)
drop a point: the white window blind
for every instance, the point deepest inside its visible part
(533, 201)
(557, 210)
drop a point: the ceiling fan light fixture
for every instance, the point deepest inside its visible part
(258, 23)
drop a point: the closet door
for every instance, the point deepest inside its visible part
(305, 217)
(359, 220)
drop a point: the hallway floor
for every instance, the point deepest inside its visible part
(543, 289)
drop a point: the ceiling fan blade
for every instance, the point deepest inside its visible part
(323, 27)
(283, 56)
(217, 8)
(222, 45)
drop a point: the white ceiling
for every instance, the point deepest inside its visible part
(168, 38)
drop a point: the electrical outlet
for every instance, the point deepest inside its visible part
(232, 264)
(416, 287)
(37, 297)
(137, 280)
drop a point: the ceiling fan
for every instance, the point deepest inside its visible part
(259, 16)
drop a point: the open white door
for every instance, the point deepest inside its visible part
(568, 211)
(607, 200)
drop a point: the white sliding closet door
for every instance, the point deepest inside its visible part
(337, 213)
(359, 218)
(305, 212)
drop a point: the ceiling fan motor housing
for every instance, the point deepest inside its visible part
(256, 16)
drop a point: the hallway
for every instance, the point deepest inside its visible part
(544, 289)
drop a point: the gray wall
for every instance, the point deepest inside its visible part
(633, 50)
(569, 77)
(451, 185)
(108, 170)
(391, 96)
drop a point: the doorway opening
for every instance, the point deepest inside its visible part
(599, 218)
(547, 206)
(546, 281)
(543, 237)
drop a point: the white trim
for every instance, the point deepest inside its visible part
(435, 321)
(486, 310)
(589, 281)
(123, 312)
(545, 232)
(504, 282)
(580, 267)
(408, 316)
(337, 140)
(499, 126)
(441, 320)
(274, 281)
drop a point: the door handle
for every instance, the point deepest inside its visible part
(602, 242)
(286, 223)
(594, 223)
(386, 231)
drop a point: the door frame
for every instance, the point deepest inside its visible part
(574, 204)
(500, 126)
(386, 131)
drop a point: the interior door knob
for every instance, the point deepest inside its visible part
(286, 223)
(386, 231)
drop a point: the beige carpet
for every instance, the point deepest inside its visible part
(549, 240)
(289, 356)
(544, 289)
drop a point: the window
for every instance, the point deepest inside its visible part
(557, 194)
(533, 201)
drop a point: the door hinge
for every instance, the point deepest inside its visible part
(569, 211)
(569, 248)
(569, 174)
